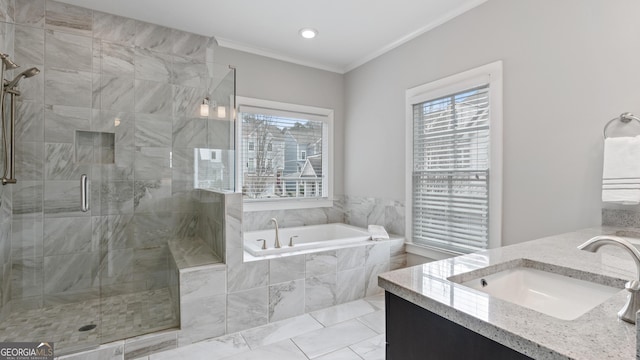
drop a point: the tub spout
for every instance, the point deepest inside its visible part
(628, 312)
(277, 243)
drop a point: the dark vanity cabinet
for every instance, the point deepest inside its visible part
(414, 333)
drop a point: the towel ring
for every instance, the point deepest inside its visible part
(624, 117)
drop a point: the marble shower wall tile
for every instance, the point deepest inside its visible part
(68, 87)
(27, 198)
(152, 163)
(116, 59)
(116, 92)
(114, 28)
(7, 37)
(68, 18)
(68, 236)
(7, 10)
(30, 12)
(153, 66)
(153, 97)
(27, 279)
(154, 37)
(154, 130)
(68, 51)
(29, 121)
(150, 195)
(60, 122)
(29, 45)
(26, 237)
(29, 160)
(70, 273)
(192, 46)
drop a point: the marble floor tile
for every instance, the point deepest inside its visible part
(219, 348)
(285, 350)
(324, 341)
(344, 312)
(344, 354)
(375, 321)
(280, 330)
(376, 300)
(371, 349)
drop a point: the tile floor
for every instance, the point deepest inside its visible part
(351, 331)
(122, 316)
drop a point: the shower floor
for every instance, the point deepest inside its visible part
(123, 316)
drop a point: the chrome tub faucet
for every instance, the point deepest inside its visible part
(277, 243)
(629, 310)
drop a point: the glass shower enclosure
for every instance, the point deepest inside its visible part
(83, 273)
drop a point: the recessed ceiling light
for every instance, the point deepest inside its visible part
(308, 33)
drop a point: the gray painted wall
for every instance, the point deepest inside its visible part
(569, 67)
(268, 79)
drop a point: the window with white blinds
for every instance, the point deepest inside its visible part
(451, 171)
(452, 167)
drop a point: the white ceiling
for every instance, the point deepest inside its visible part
(351, 32)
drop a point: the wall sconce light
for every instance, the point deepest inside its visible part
(222, 112)
(204, 107)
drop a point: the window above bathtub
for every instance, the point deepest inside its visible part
(454, 162)
(284, 158)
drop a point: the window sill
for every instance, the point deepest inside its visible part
(265, 205)
(430, 252)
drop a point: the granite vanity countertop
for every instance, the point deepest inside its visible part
(598, 334)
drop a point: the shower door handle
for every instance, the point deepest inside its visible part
(84, 198)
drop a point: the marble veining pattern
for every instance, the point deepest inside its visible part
(286, 300)
(324, 341)
(292, 339)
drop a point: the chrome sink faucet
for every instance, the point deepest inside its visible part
(628, 312)
(277, 243)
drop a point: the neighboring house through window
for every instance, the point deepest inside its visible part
(454, 168)
(290, 149)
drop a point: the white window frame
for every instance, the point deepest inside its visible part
(491, 74)
(318, 113)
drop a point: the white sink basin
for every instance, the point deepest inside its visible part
(553, 294)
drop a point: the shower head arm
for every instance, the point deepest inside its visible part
(25, 74)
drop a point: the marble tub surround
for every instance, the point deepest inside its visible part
(362, 211)
(285, 286)
(524, 330)
(353, 210)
